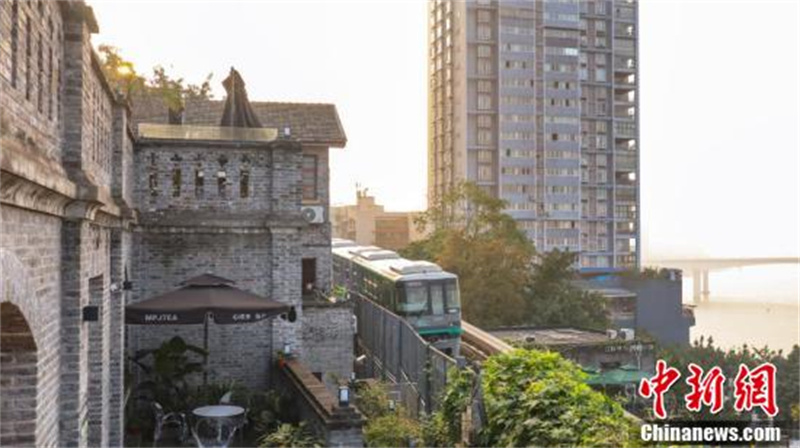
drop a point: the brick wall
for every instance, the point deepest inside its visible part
(162, 260)
(328, 341)
(31, 109)
(30, 279)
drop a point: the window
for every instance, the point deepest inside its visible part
(309, 173)
(484, 51)
(198, 183)
(152, 184)
(222, 183)
(485, 156)
(484, 121)
(485, 86)
(484, 102)
(437, 299)
(14, 42)
(244, 183)
(484, 16)
(485, 173)
(28, 56)
(176, 182)
(600, 74)
(484, 32)
(484, 137)
(484, 66)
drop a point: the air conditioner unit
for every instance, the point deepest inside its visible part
(612, 334)
(627, 334)
(314, 214)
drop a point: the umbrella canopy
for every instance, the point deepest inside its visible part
(199, 297)
(238, 112)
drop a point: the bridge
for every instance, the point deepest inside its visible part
(698, 268)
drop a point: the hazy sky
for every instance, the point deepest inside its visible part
(720, 100)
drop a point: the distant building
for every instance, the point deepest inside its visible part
(537, 103)
(594, 350)
(652, 304)
(367, 223)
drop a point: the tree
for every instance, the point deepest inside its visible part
(706, 355)
(123, 76)
(536, 398)
(501, 281)
(475, 240)
(554, 300)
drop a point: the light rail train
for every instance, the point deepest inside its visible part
(420, 292)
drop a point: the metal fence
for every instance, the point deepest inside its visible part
(397, 353)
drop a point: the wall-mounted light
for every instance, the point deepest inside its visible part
(287, 349)
(344, 396)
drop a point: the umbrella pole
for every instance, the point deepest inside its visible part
(205, 348)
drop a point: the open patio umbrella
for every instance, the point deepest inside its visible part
(201, 298)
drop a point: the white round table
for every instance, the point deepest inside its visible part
(218, 411)
(221, 413)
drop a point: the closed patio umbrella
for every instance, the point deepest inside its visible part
(200, 298)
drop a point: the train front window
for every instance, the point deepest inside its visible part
(437, 298)
(415, 298)
(453, 299)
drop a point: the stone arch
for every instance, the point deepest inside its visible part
(18, 378)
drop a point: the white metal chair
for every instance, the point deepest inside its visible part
(168, 419)
(241, 421)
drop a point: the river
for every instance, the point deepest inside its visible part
(756, 306)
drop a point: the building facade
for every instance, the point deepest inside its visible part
(368, 223)
(96, 213)
(537, 102)
(65, 238)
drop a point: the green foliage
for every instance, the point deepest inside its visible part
(122, 75)
(386, 426)
(553, 300)
(706, 355)
(473, 238)
(444, 428)
(287, 435)
(166, 371)
(537, 398)
(502, 283)
(391, 430)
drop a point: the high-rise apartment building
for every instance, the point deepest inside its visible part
(537, 102)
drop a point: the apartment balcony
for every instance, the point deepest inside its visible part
(625, 13)
(627, 98)
(625, 163)
(626, 196)
(625, 64)
(625, 228)
(626, 146)
(624, 130)
(625, 112)
(624, 82)
(625, 31)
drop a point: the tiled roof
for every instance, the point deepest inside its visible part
(309, 122)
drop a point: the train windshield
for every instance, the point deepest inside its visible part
(453, 299)
(414, 298)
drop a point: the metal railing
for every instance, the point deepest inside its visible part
(395, 352)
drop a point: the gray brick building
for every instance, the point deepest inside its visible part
(95, 214)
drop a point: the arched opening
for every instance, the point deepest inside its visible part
(18, 378)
